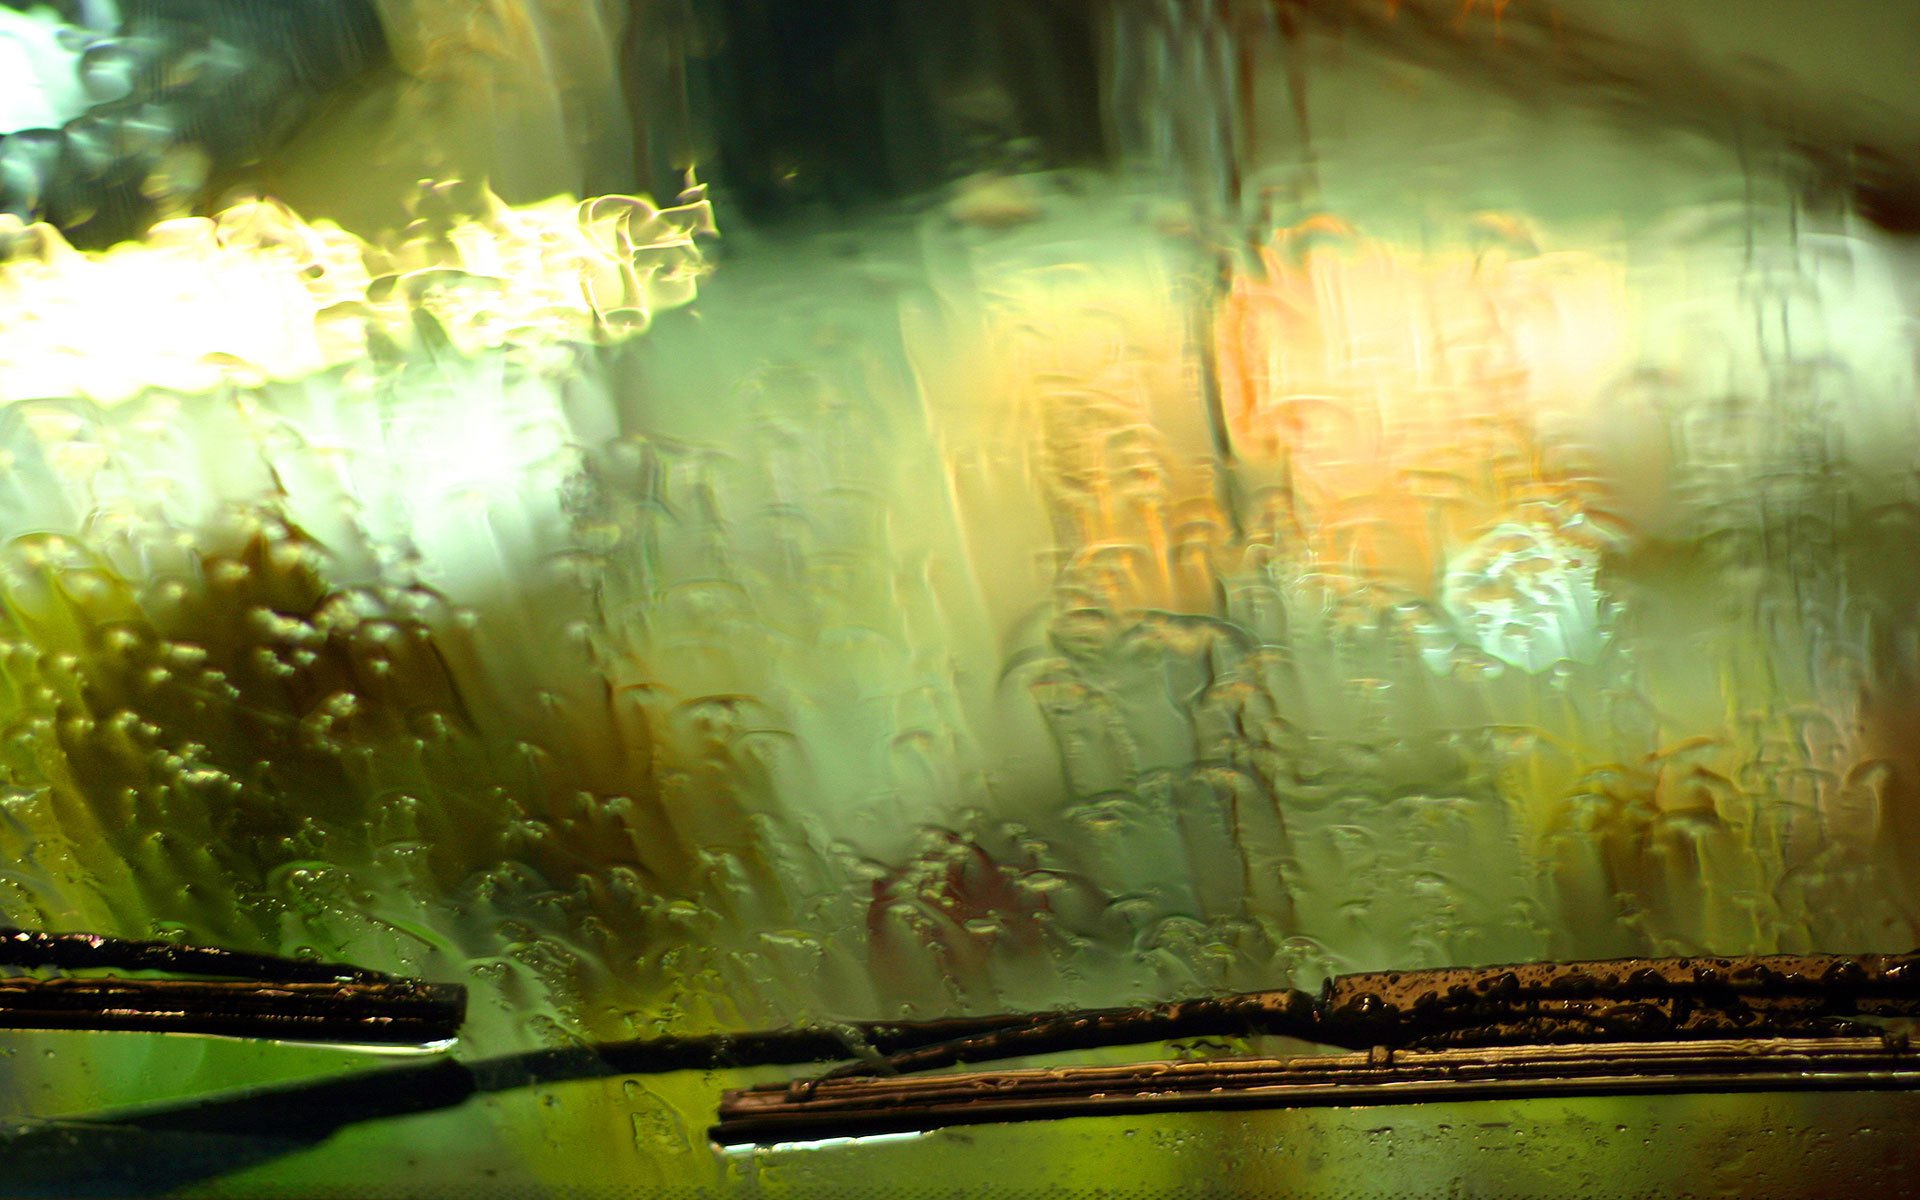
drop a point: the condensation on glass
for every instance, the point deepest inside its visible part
(704, 514)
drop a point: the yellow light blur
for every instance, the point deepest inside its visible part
(256, 292)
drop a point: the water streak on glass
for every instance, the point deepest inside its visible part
(1065, 504)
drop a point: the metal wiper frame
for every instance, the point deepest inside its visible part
(228, 993)
(1620, 1026)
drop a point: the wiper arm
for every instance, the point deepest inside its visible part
(235, 994)
(1635, 999)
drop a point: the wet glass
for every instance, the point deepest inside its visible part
(698, 515)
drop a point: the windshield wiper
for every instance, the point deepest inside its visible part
(1635, 999)
(225, 993)
(1674, 1024)
(828, 1110)
(1632, 1025)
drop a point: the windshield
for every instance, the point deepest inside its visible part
(688, 517)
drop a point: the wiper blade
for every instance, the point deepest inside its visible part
(1631, 1007)
(80, 951)
(835, 1109)
(236, 994)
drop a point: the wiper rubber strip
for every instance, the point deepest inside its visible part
(854, 1108)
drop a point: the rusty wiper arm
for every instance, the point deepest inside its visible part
(1619, 1000)
(226, 993)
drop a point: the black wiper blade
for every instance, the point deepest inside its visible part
(236, 994)
(80, 951)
